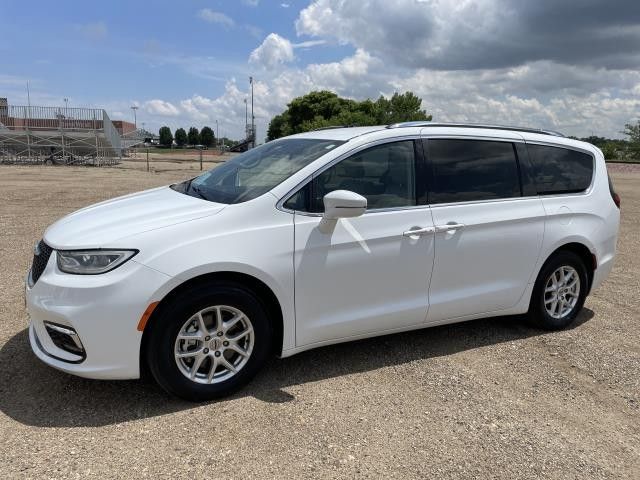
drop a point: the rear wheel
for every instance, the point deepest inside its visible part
(559, 292)
(209, 341)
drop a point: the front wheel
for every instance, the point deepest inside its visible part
(559, 292)
(209, 341)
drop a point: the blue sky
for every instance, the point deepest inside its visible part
(118, 53)
(187, 62)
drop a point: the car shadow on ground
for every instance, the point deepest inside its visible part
(37, 395)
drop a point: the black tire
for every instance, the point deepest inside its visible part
(167, 324)
(538, 315)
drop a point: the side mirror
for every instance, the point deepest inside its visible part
(340, 204)
(343, 204)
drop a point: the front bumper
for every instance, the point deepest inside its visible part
(104, 310)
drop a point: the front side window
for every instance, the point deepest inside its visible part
(471, 170)
(560, 170)
(257, 171)
(384, 175)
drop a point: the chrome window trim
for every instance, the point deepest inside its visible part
(280, 204)
(490, 200)
(367, 212)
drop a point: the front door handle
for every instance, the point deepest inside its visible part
(449, 227)
(419, 231)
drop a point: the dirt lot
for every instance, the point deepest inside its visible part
(485, 399)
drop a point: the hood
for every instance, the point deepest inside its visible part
(99, 225)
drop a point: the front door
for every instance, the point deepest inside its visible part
(370, 274)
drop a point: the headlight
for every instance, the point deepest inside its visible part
(92, 262)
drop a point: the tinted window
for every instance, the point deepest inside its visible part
(559, 170)
(384, 174)
(299, 200)
(467, 170)
(257, 171)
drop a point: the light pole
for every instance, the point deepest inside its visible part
(246, 116)
(66, 102)
(253, 118)
(217, 134)
(135, 119)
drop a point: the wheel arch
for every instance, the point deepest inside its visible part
(264, 293)
(584, 252)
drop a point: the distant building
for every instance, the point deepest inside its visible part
(123, 127)
(4, 110)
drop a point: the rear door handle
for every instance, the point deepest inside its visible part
(419, 231)
(449, 227)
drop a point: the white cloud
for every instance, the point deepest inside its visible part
(251, 3)
(285, 5)
(347, 73)
(211, 16)
(465, 35)
(490, 61)
(272, 52)
(276, 50)
(161, 107)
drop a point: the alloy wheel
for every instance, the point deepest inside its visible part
(214, 344)
(561, 291)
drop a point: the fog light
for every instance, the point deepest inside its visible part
(65, 338)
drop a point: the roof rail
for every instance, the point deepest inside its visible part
(476, 125)
(331, 127)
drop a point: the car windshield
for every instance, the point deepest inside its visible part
(257, 171)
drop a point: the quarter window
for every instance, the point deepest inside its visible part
(560, 170)
(384, 175)
(468, 170)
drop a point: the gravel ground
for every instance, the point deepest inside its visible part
(484, 399)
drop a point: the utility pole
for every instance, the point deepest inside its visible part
(28, 122)
(135, 119)
(246, 117)
(217, 134)
(253, 118)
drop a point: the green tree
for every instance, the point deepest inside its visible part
(633, 132)
(193, 136)
(181, 137)
(324, 108)
(609, 151)
(166, 138)
(207, 138)
(399, 108)
(278, 126)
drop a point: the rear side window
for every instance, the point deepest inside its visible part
(469, 170)
(560, 170)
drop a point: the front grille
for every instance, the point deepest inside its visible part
(40, 259)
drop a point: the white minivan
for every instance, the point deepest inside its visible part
(319, 238)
